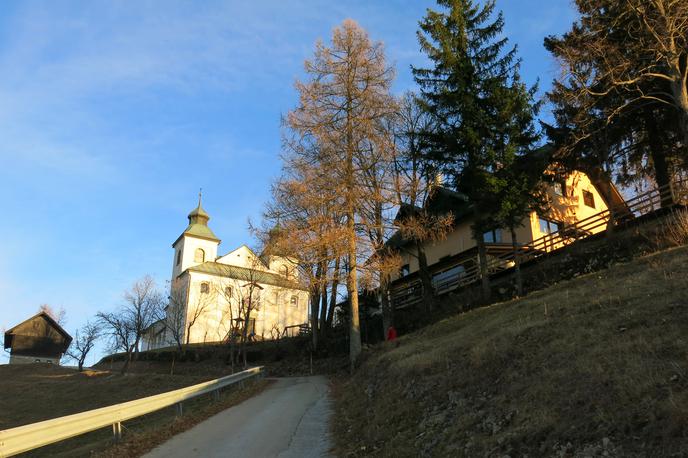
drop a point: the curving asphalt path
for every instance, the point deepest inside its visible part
(289, 419)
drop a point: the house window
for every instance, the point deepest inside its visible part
(405, 270)
(548, 227)
(205, 288)
(276, 299)
(199, 256)
(559, 188)
(228, 292)
(493, 236)
(179, 257)
(589, 199)
(294, 301)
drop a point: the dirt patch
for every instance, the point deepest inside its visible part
(594, 366)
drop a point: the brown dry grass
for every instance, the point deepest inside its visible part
(36, 392)
(597, 365)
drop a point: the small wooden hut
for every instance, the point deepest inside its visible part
(37, 340)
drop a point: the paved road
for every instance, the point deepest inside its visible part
(289, 419)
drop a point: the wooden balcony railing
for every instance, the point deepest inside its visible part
(410, 293)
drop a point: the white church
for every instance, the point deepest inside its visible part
(211, 295)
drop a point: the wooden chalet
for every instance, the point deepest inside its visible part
(37, 340)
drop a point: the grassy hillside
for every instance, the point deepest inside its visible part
(35, 392)
(595, 366)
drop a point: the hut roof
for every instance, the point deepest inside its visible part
(9, 334)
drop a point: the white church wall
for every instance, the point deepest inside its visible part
(243, 257)
(278, 264)
(187, 246)
(276, 309)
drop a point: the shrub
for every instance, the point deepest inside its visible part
(676, 227)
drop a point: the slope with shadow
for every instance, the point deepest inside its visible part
(595, 366)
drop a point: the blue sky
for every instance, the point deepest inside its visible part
(113, 114)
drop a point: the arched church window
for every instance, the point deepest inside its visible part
(285, 271)
(199, 256)
(179, 256)
(205, 288)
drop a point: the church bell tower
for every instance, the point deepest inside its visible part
(197, 244)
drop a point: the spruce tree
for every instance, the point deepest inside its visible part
(483, 113)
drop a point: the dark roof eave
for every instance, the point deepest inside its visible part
(282, 283)
(212, 239)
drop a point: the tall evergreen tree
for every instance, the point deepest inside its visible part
(482, 111)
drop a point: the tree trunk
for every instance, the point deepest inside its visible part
(333, 293)
(349, 189)
(385, 303)
(315, 303)
(517, 262)
(244, 334)
(352, 289)
(323, 309)
(425, 278)
(659, 162)
(127, 361)
(680, 93)
(232, 350)
(482, 261)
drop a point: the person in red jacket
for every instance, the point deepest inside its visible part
(391, 334)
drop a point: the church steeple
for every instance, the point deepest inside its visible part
(198, 224)
(197, 244)
(198, 215)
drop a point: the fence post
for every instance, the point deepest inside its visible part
(117, 431)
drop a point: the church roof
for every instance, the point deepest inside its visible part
(198, 225)
(201, 231)
(245, 274)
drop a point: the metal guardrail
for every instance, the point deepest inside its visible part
(642, 204)
(35, 435)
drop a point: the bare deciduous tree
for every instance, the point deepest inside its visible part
(59, 315)
(83, 343)
(174, 314)
(127, 324)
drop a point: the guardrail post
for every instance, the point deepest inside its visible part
(117, 431)
(216, 395)
(180, 409)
